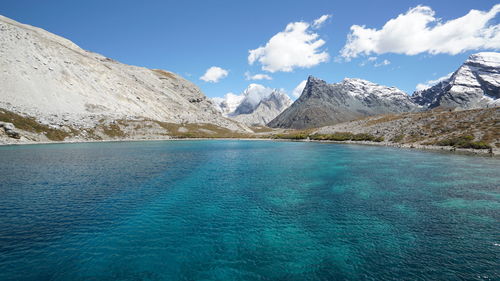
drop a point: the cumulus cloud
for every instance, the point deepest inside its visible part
(258, 76)
(298, 90)
(214, 74)
(227, 104)
(419, 31)
(254, 93)
(430, 83)
(296, 46)
(319, 21)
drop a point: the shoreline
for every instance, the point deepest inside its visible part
(445, 149)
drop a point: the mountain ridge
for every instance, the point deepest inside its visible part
(476, 84)
(321, 103)
(52, 79)
(256, 106)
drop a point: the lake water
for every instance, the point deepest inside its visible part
(246, 210)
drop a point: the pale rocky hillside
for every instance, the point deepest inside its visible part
(63, 86)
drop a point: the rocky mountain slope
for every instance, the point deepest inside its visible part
(64, 87)
(475, 84)
(476, 128)
(323, 104)
(257, 105)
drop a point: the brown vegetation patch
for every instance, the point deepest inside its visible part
(261, 129)
(164, 73)
(113, 130)
(383, 119)
(31, 125)
(199, 130)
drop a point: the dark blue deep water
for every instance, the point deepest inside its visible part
(246, 210)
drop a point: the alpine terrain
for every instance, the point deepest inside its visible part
(257, 105)
(476, 84)
(53, 82)
(323, 104)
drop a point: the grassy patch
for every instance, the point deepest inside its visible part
(113, 130)
(291, 136)
(31, 125)
(464, 141)
(261, 129)
(340, 136)
(346, 136)
(200, 130)
(398, 138)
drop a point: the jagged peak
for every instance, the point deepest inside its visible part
(361, 87)
(278, 95)
(312, 79)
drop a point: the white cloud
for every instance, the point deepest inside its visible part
(251, 97)
(430, 83)
(296, 46)
(259, 76)
(254, 93)
(419, 31)
(298, 90)
(383, 63)
(372, 58)
(227, 104)
(319, 21)
(214, 74)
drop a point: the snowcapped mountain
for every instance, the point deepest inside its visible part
(324, 104)
(475, 84)
(52, 79)
(228, 103)
(266, 110)
(257, 105)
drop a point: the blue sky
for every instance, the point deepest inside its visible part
(188, 37)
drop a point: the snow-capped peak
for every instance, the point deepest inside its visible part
(484, 59)
(242, 107)
(475, 84)
(362, 88)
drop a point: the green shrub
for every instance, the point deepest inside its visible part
(398, 138)
(478, 145)
(345, 136)
(293, 136)
(30, 124)
(465, 141)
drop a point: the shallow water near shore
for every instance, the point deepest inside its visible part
(246, 210)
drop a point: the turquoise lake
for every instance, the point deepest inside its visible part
(246, 210)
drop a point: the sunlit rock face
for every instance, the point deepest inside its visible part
(475, 84)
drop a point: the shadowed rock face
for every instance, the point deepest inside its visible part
(475, 84)
(324, 104)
